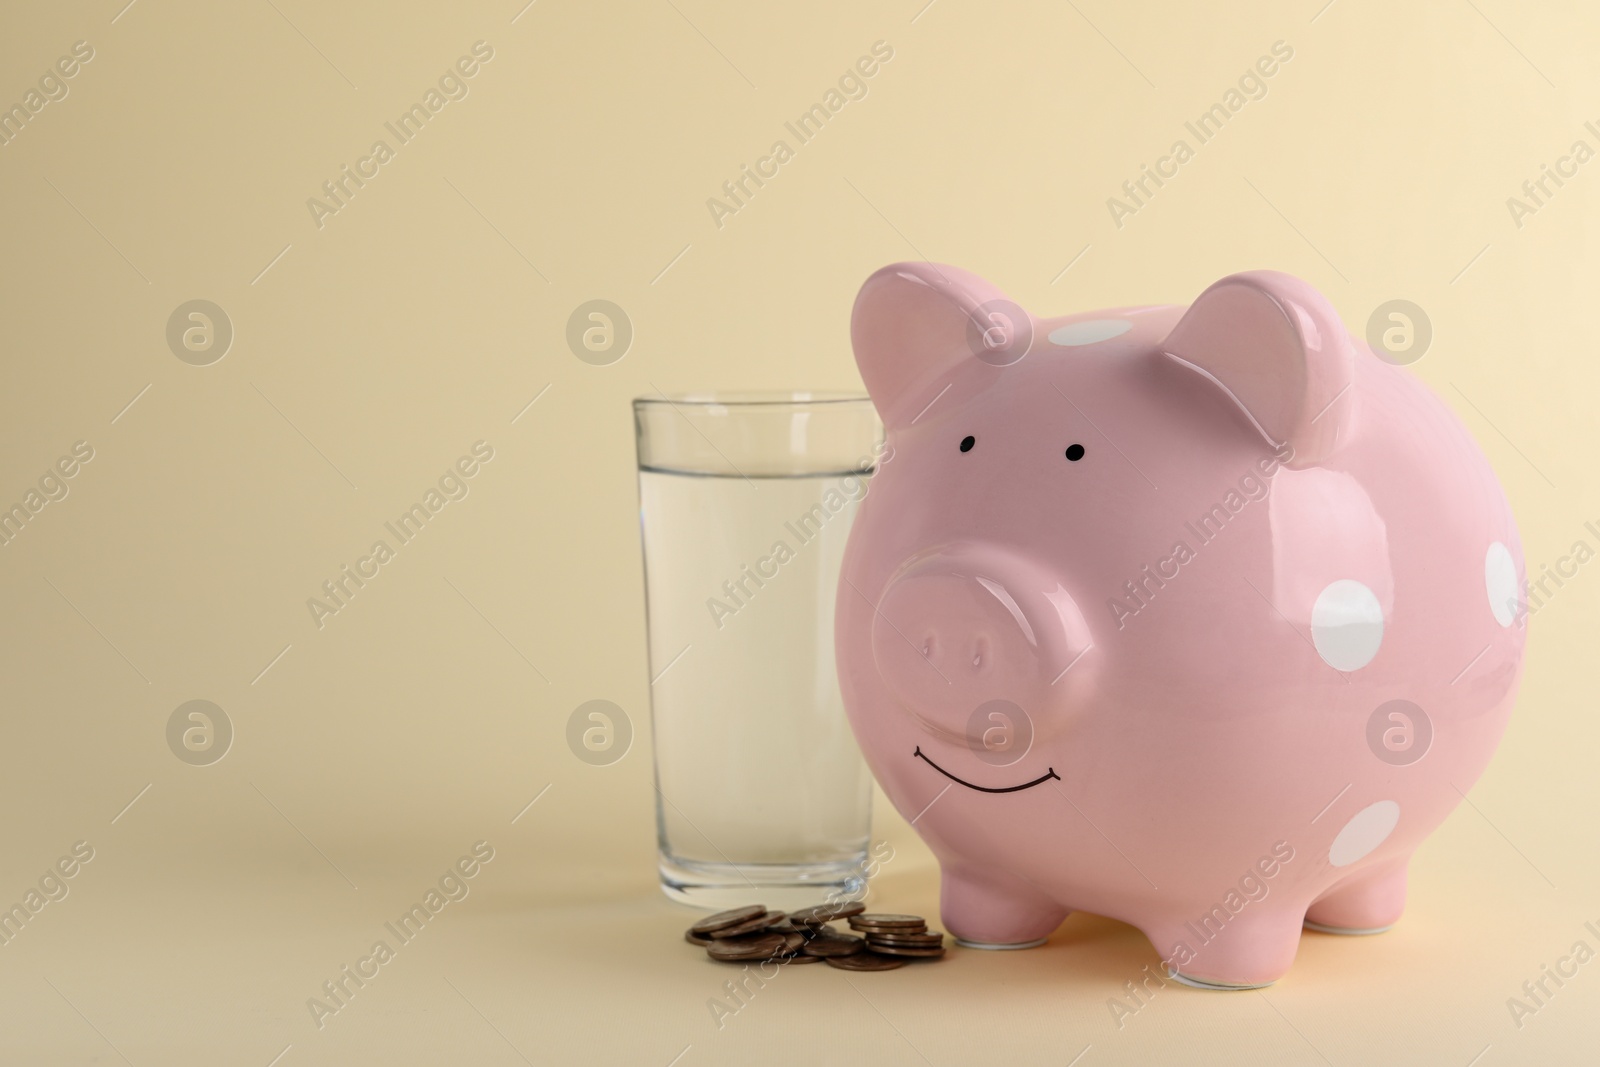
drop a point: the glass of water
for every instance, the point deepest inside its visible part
(745, 503)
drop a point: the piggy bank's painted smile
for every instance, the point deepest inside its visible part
(1050, 773)
(1246, 592)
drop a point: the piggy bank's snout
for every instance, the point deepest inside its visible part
(952, 633)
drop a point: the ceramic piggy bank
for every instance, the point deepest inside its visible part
(1198, 618)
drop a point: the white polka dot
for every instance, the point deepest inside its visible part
(1347, 625)
(1500, 575)
(1370, 828)
(1087, 333)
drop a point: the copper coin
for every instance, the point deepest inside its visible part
(834, 945)
(863, 961)
(696, 939)
(932, 937)
(862, 923)
(919, 951)
(884, 919)
(783, 926)
(887, 931)
(793, 942)
(799, 958)
(827, 913)
(745, 948)
(724, 919)
(749, 926)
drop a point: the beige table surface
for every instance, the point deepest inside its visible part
(374, 345)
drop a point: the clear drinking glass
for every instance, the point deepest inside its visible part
(745, 502)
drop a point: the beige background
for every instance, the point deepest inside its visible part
(372, 352)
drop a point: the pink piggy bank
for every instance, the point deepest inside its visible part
(1198, 618)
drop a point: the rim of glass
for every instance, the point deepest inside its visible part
(754, 398)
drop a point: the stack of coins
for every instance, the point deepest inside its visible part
(754, 934)
(899, 935)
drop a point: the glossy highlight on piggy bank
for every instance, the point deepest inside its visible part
(1198, 618)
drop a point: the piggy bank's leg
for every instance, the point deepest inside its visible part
(1247, 950)
(996, 910)
(1368, 903)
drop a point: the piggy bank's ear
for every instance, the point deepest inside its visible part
(914, 323)
(1278, 349)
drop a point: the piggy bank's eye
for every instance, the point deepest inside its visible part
(968, 441)
(1074, 452)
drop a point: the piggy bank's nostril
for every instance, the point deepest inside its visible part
(928, 647)
(980, 654)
